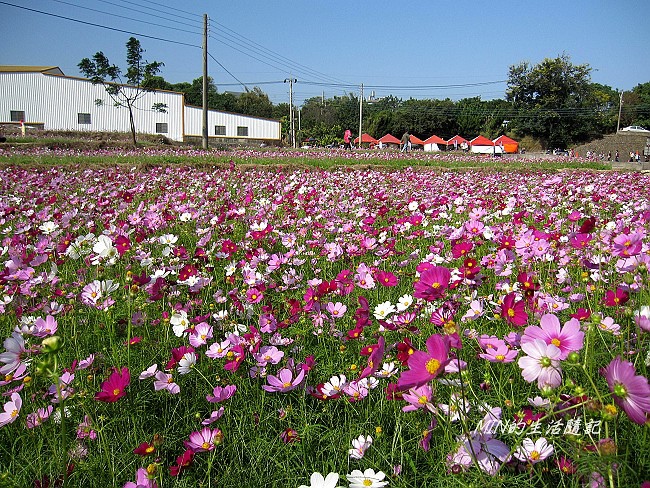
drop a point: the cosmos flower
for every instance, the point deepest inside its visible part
(631, 392)
(533, 452)
(542, 363)
(316, 480)
(284, 381)
(366, 479)
(432, 283)
(11, 410)
(425, 366)
(568, 338)
(204, 440)
(514, 311)
(114, 387)
(359, 446)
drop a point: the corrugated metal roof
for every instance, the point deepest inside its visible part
(50, 70)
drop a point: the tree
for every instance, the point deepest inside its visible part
(255, 102)
(139, 75)
(552, 100)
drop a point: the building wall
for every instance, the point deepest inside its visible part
(257, 128)
(56, 101)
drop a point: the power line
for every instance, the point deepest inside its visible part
(226, 70)
(99, 25)
(159, 6)
(258, 46)
(125, 17)
(176, 21)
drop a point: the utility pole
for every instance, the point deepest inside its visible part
(360, 116)
(620, 106)
(292, 126)
(205, 81)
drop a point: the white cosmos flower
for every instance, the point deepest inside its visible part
(383, 310)
(186, 363)
(317, 481)
(366, 479)
(48, 227)
(179, 322)
(359, 447)
(167, 239)
(404, 302)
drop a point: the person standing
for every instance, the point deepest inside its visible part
(405, 142)
(347, 139)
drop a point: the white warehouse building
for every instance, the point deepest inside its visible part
(45, 98)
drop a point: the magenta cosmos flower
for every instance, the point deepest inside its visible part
(568, 338)
(514, 311)
(631, 391)
(432, 284)
(114, 387)
(425, 366)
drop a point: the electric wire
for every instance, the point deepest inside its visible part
(99, 25)
(159, 6)
(176, 21)
(258, 46)
(125, 17)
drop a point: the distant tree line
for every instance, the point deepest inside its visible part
(554, 102)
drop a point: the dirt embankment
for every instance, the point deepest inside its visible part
(623, 142)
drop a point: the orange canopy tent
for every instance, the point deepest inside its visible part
(416, 140)
(456, 141)
(433, 143)
(389, 139)
(366, 138)
(509, 145)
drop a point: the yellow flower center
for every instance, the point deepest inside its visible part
(555, 342)
(500, 357)
(205, 445)
(534, 455)
(116, 391)
(422, 400)
(435, 285)
(432, 366)
(367, 482)
(511, 312)
(286, 384)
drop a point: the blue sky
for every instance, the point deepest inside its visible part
(419, 49)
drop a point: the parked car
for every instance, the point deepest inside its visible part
(635, 128)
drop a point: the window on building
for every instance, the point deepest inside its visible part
(242, 131)
(161, 128)
(219, 130)
(83, 118)
(17, 115)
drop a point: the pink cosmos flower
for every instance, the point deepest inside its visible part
(268, 354)
(200, 334)
(142, 480)
(11, 410)
(114, 387)
(425, 366)
(336, 309)
(253, 295)
(221, 394)
(501, 354)
(214, 416)
(480, 449)
(14, 353)
(542, 363)
(165, 381)
(514, 311)
(568, 338)
(419, 398)
(284, 381)
(204, 440)
(642, 318)
(432, 284)
(631, 391)
(533, 452)
(627, 244)
(37, 418)
(45, 327)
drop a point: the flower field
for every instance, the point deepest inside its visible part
(254, 325)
